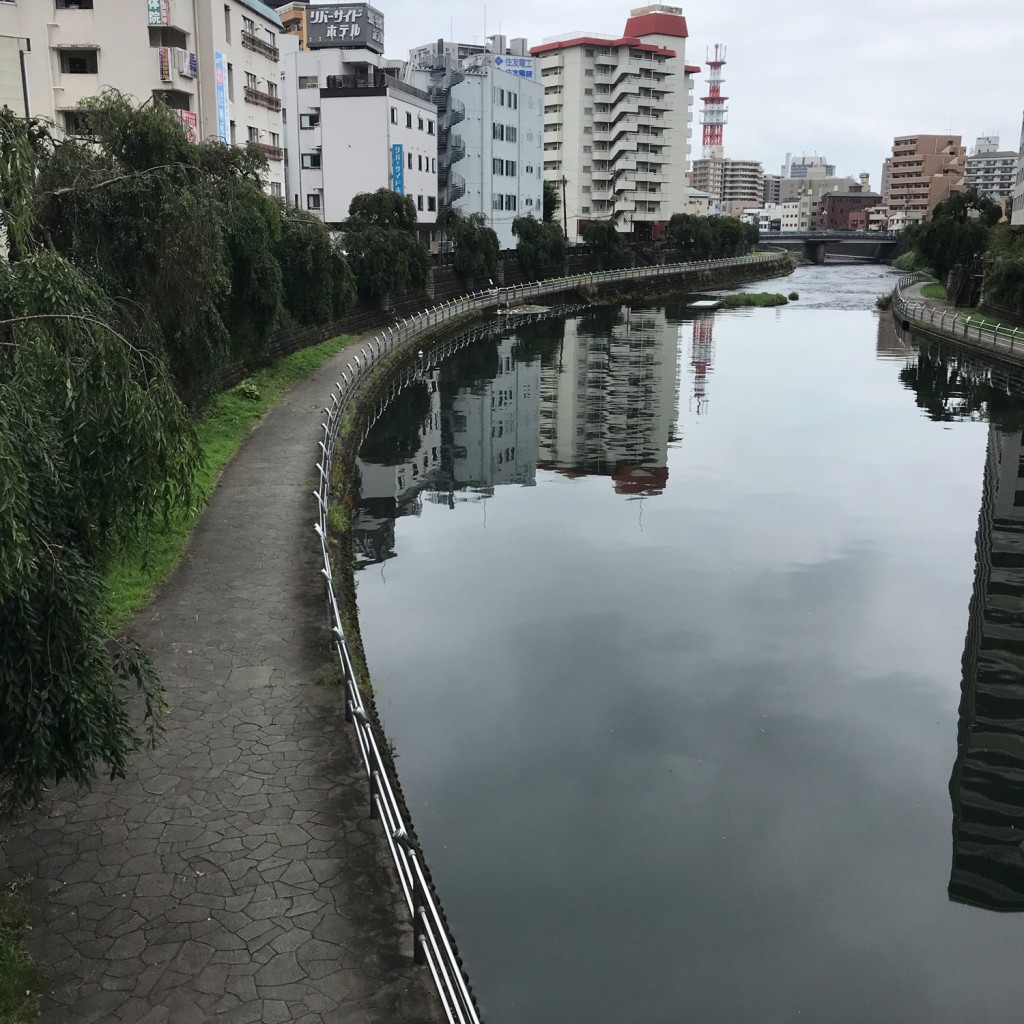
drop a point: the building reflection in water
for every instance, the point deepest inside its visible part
(609, 405)
(702, 357)
(987, 784)
(595, 395)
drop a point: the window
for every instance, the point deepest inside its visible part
(74, 5)
(271, 38)
(510, 202)
(588, 130)
(419, 163)
(510, 167)
(498, 132)
(254, 134)
(433, 164)
(497, 165)
(311, 161)
(501, 96)
(248, 25)
(588, 53)
(275, 139)
(78, 62)
(394, 115)
(419, 122)
(588, 73)
(313, 201)
(271, 88)
(588, 92)
(309, 120)
(250, 80)
(515, 100)
(75, 122)
(588, 111)
(584, 209)
(275, 189)
(409, 161)
(586, 149)
(510, 133)
(308, 82)
(430, 127)
(419, 203)
(408, 119)
(432, 203)
(227, 23)
(497, 202)
(234, 140)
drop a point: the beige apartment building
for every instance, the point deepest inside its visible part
(739, 184)
(617, 116)
(216, 62)
(925, 170)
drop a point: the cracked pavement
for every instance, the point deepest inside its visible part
(235, 875)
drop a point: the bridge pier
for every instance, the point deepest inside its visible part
(815, 251)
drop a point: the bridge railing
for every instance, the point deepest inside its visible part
(431, 942)
(971, 328)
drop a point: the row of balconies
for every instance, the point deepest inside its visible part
(270, 152)
(258, 45)
(262, 99)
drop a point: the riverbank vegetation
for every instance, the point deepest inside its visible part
(739, 300)
(934, 290)
(705, 238)
(135, 268)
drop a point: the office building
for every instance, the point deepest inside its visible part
(350, 126)
(490, 107)
(617, 117)
(926, 169)
(216, 63)
(807, 166)
(846, 210)
(991, 171)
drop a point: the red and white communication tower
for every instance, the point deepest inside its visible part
(715, 111)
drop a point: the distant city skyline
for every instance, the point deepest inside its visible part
(796, 85)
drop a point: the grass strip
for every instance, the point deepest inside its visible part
(135, 572)
(21, 979)
(742, 299)
(934, 290)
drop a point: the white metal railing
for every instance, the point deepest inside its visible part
(957, 326)
(431, 941)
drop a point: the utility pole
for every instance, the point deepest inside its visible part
(565, 212)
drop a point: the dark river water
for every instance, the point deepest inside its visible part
(700, 642)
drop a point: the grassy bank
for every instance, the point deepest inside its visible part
(742, 299)
(934, 290)
(135, 573)
(20, 977)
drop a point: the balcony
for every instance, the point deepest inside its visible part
(270, 152)
(252, 42)
(262, 99)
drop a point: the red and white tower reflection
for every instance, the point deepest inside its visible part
(702, 357)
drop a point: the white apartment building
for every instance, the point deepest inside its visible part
(214, 61)
(490, 142)
(739, 184)
(350, 128)
(991, 172)
(617, 117)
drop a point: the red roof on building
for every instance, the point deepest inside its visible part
(657, 25)
(693, 69)
(567, 44)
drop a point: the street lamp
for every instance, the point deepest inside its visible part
(565, 212)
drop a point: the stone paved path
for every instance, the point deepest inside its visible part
(235, 875)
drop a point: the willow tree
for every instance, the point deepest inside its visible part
(94, 445)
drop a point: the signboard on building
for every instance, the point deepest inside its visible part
(190, 120)
(220, 74)
(159, 12)
(348, 25)
(165, 63)
(398, 168)
(521, 66)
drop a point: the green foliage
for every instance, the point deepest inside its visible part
(604, 240)
(1004, 272)
(540, 246)
(706, 238)
(552, 200)
(21, 979)
(318, 284)
(934, 290)
(884, 301)
(911, 262)
(381, 245)
(475, 245)
(958, 231)
(739, 300)
(793, 296)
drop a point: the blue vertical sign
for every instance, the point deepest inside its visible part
(220, 71)
(398, 168)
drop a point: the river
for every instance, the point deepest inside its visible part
(703, 672)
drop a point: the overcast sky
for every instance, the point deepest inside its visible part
(836, 79)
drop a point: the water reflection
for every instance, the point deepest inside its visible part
(986, 788)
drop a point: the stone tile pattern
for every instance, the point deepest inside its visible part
(235, 875)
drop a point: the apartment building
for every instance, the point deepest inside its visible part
(772, 189)
(805, 166)
(1016, 211)
(216, 62)
(617, 116)
(739, 184)
(926, 169)
(490, 108)
(991, 171)
(886, 175)
(846, 210)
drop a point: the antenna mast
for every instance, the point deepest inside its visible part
(715, 111)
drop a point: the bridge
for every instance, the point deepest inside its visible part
(847, 246)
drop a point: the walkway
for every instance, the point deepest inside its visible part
(235, 875)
